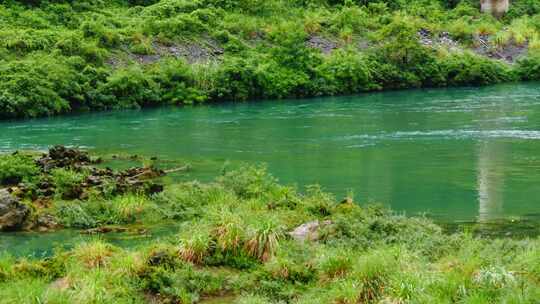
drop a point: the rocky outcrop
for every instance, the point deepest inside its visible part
(137, 179)
(325, 45)
(12, 212)
(62, 157)
(509, 52)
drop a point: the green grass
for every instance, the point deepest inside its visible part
(233, 245)
(16, 168)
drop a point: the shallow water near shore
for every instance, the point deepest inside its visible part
(464, 154)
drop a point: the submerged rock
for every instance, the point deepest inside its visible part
(130, 180)
(105, 229)
(308, 231)
(12, 213)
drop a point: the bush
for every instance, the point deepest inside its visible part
(469, 69)
(38, 86)
(25, 41)
(278, 81)
(75, 215)
(67, 183)
(236, 80)
(520, 8)
(142, 2)
(249, 182)
(180, 25)
(529, 68)
(16, 168)
(130, 87)
(177, 83)
(343, 72)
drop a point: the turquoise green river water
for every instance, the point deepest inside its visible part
(465, 154)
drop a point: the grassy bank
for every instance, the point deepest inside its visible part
(62, 56)
(245, 238)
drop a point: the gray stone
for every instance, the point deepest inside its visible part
(12, 212)
(308, 231)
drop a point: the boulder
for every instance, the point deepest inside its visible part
(308, 231)
(12, 212)
(46, 222)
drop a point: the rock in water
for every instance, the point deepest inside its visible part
(12, 212)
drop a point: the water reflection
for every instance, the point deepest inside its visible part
(490, 181)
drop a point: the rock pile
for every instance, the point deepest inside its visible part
(62, 157)
(427, 38)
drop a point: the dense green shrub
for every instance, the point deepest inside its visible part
(142, 2)
(74, 215)
(105, 34)
(469, 69)
(173, 27)
(176, 81)
(235, 79)
(16, 168)
(27, 40)
(130, 87)
(61, 56)
(73, 45)
(278, 81)
(529, 68)
(248, 181)
(520, 8)
(343, 72)
(169, 8)
(38, 86)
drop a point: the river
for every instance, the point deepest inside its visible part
(461, 154)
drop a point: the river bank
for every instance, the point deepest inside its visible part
(244, 238)
(247, 239)
(93, 55)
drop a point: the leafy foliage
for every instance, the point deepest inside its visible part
(16, 168)
(62, 56)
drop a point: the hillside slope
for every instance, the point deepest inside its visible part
(61, 56)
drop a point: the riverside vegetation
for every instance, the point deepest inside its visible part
(61, 56)
(245, 238)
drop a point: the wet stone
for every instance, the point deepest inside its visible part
(12, 212)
